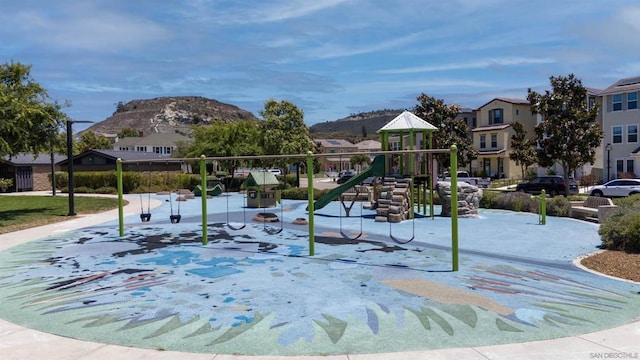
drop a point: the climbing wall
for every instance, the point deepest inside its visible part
(394, 201)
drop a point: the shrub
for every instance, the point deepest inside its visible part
(106, 190)
(621, 231)
(302, 193)
(558, 206)
(516, 201)
(489, 199)
(83, 190)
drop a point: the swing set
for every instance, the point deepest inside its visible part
(175, 218)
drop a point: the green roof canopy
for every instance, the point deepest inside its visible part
(260, 178)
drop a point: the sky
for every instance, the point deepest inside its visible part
(331, 58)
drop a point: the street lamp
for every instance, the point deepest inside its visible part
(72, 211)
(608, 148)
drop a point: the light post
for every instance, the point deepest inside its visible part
(608, 148)
(72, 211)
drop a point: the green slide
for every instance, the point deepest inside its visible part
(375, 169)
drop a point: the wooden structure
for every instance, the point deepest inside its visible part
(261, 189)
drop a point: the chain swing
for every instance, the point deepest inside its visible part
(146, 216)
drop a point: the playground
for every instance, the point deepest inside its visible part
(250, 292)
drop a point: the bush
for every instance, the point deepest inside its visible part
(302, 194)
(489, 199)
(83, 190)
(558, 206)
(516, 201)
(106, 190)
(621, 231)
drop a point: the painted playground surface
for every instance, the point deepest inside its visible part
(249, 292)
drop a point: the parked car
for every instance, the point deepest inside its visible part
(552, 184)
(617, 188)
(276, 172)
(345, 176)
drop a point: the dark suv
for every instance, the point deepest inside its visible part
(552, 184)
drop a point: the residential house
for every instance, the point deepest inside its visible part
(333, 148)
(29, 172)
(620, 123)
(157, 143)
(492, 136)
(105, 160)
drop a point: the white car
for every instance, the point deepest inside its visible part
(617, 188)
(276, 172)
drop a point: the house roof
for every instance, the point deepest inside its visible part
(369, 145)
(407, 121)
(26, 159)
(160, 139)
(334, 143)
(623, 85)
(260, 178)
(490, 128)
(515, 101)
(124, 155)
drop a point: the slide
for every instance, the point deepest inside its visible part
(375, 169)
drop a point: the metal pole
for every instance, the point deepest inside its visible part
(72, 211)
(203, 195)
(53, 168)
(310, 206)
(454, 206)
(120, 202)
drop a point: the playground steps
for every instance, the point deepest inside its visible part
(394, 201)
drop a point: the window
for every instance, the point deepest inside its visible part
(141, 148)
(483, 141)
(619, 167)
(617, 134)
(630, 167)
(517, 112)
(495, 116)
(475, 124)
(632, 133)
(632, 101)
(617, 102)
(494, 140)
(592, 102)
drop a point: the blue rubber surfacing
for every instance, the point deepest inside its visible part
(248, 292)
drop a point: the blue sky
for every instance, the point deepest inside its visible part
(331, 58)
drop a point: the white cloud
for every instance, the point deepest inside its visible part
(480, 64)
(267, 11)
(88, 28)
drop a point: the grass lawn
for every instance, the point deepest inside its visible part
(22, 212)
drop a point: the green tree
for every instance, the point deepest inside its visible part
(89, 140)
(450, 130)
(523, 149)
(28, 117)
(360, 160)
(222, 139)
(284, 131)
(127, 132)
(569, 132)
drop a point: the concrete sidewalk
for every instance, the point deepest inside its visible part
(17, 342)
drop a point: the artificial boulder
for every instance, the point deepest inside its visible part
(468, 199)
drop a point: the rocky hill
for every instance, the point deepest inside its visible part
(355, 127)
(169, 115)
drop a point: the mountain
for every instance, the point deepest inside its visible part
(355, 127)
(169, 115)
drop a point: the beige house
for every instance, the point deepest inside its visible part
(157, 143)
(333, 148)
(620, 116)
(492, 136)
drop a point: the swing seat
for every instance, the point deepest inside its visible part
(145, 217)
(175, 218)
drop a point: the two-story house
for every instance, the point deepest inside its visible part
(157, 143)
(334, 147)
(492, 136)
(620, 124)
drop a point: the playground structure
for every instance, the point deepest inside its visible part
(382, 159)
